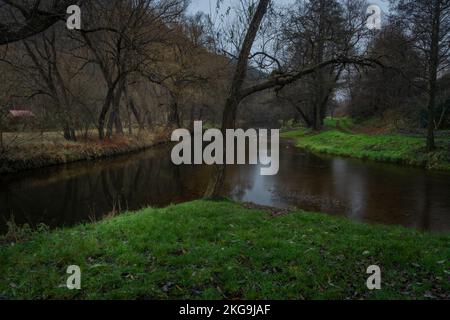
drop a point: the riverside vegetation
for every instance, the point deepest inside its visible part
(341, 138)
(33, 151)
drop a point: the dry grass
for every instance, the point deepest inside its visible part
(35, 150)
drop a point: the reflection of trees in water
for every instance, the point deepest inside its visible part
(311, 202)
(425, 222)
(141, 180)
(307, 182)
(237, 185)
(66, 196)
(150, 181)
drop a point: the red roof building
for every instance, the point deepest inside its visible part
(21, 114)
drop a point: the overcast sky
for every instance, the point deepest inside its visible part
(208, 6)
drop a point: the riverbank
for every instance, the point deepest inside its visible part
(51, 149)
(223, 250)
(393, 148)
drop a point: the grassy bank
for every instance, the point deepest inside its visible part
(221, 250)
(32, 151)
(394, 148)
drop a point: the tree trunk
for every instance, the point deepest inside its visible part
(318, 118)
(300, 113)
(434, 64)
(115, 120)
(319, 74)
(66, 132)
(2, 146)
(130, 124)
(174, 116)
(132, 106)
(73, 134)
(69, 132)
(136, 113)
(174, 113)
(431, 145)
(217, 179)
(104, 112)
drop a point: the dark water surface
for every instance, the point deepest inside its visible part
(362, 191)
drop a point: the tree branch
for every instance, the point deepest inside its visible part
(282, 80)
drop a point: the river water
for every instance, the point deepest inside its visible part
(362, 191)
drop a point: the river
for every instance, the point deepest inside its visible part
(359, 190)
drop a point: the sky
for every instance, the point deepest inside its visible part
(209, 6)
(205, 5)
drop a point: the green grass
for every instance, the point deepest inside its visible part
(344, 123)
(220, 250)
(392, 148)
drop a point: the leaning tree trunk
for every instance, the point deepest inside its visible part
(217, 179)
(300, 113)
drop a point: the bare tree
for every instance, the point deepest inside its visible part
(138, 25)
(45, 71)
(278, 79)
(428, 24)
(394, 90)
(23, 19)
(315, 32)
(180, 73)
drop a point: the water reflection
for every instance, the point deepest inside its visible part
(363, 191)
(80, 192)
